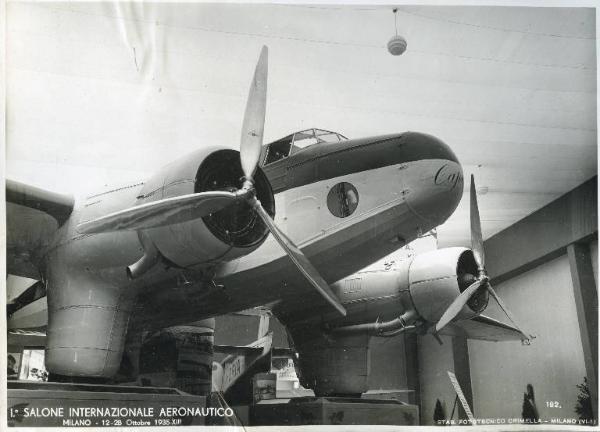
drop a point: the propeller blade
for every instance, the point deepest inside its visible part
(299, 259)
(254, 117)
(506, 311)
(476, 237)
(157, 213)
(458, 303)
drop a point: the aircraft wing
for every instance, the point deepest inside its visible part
(32, 217)
(482, 328)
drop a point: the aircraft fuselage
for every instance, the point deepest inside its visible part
(345, 205)
(405, 185)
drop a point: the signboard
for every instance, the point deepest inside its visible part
(233, 368)
(461, 396)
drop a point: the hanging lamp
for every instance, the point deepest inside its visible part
(397, 44)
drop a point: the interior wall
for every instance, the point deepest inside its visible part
(542, 301)
(388, 365)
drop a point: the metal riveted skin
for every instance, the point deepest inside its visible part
(433, 283)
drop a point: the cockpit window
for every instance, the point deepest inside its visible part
(278, 150)
(297, 141)
(309, 137)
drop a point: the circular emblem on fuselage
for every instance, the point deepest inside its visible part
(342, 199)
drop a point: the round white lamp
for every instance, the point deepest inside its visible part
(397, 44)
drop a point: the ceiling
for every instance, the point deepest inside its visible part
(99, 94)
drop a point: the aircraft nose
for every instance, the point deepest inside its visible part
(434, 182)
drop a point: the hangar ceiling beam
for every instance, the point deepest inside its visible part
(544, 234)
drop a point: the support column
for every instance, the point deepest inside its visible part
(462, 370)
(411, 359)
(586, 302)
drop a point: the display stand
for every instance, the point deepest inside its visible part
(332, 411)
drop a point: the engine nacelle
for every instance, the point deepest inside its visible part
(89, 309)
(437, 277)
(222, 236)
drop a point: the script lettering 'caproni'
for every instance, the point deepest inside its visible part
(446, 176)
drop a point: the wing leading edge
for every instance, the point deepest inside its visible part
(58, 206)
(32, 217)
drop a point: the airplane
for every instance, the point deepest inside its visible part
(192, 242)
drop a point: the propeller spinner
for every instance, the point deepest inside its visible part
(482, 280)
(197, 205)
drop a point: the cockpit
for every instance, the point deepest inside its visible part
(297, 141)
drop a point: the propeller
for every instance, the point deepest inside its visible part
(482, 281)
(458, 303)
(158, 213)
(193, 206)
(254, 118)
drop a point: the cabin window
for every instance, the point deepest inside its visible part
(342, 199)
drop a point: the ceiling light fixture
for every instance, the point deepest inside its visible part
(397, 44)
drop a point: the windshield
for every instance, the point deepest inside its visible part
(295, 142)
(309, 137)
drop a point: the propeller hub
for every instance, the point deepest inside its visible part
(479, 300)
(465, 280)
(247, 190)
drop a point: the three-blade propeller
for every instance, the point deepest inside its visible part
(254, 118)
(482, 281)
(193, 206)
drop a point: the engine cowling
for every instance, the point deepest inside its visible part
(437, 277)
(222, 236)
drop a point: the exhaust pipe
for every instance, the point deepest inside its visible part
(147, 261)
(382, 329)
